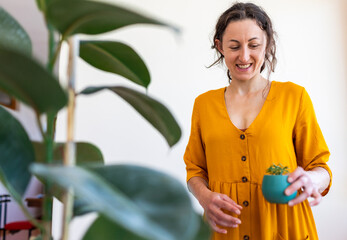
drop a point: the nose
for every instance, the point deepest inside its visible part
(244, 55)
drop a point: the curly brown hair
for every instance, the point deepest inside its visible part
(241, 11)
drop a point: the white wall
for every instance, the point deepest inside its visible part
(311, 52)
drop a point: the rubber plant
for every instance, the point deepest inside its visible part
(132, 202)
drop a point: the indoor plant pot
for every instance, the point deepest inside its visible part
(273, 185)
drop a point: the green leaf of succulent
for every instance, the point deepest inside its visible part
(153, 111)
(12, 34)
(88, 17)
(28, 81)
(16, 154)
(115, 57)
(277, 169)
(86, 153)
(143, 201)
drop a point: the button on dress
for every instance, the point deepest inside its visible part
(233, 161)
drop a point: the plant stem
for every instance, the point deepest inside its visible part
(53, 58)
(69, 157)
(46, 227)
(48, 136)
(51, 47)
(48, 199)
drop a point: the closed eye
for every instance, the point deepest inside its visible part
(254, 45)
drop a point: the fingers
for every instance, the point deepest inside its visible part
(213, 221)
(300, 179)
(215, 227)
(234, 204)
(302, 197)
(229, 205)
(224, 219)
(296, 174)
(299, 183)
(317, 198)
(217, 217)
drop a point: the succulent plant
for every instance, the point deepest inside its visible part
(277, 169)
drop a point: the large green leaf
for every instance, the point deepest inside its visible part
(163, 199)
(39, 4)
(81, 16)
(115, 57)
(16, 154)
(155, 112)
(12, 34)
(86, 153)
(25, 79)
(104, 229)
(146, 202)
(204, 232)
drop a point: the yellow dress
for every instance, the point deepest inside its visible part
(233, 162)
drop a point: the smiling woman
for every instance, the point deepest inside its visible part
(243, 47)
(239, 130)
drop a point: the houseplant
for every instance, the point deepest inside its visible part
(131, 201)
(274, 184)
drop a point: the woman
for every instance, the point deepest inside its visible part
(239, 131)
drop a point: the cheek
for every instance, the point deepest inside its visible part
(261, 57)
(229, 58)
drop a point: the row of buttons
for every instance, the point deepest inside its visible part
(244, 179)
(243, 158)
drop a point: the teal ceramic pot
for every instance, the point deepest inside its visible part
(273, 187)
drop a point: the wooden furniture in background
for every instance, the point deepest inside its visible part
(16, 226)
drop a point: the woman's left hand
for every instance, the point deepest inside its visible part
(301, 179)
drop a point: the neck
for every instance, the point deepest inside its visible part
(250, 86)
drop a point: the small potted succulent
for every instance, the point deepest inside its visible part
(274, 184)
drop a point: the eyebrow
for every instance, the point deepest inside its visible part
(251, 39)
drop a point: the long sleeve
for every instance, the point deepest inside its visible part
(194, 156)
(310, 146)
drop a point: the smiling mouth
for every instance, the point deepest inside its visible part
(244, 66)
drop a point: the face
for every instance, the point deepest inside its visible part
(243, 47)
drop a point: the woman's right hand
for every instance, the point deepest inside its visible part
(214, 204)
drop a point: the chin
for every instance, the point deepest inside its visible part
(243, 78)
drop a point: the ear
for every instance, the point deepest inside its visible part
(219, 47)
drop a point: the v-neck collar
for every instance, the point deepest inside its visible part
(248, 129)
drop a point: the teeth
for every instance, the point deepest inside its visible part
(244, 66)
